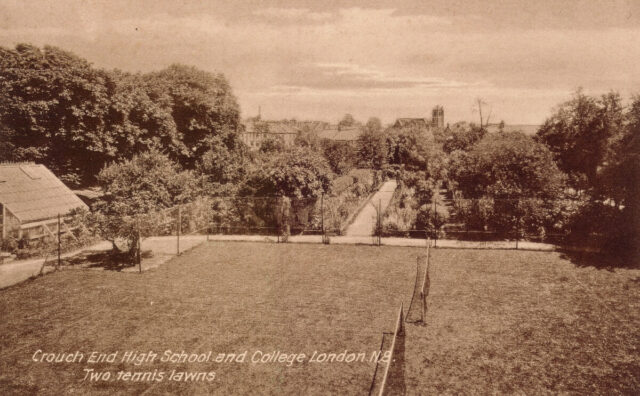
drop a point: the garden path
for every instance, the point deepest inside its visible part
(365, 221)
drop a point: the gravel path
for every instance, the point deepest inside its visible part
(365, 222)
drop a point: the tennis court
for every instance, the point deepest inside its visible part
(497, 321)
(217, 298)
(518, 322)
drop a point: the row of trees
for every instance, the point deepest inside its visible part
(596, 142)
(59, 110)
(157, 139)
(150, 141)
(507, 182)
(578, 176)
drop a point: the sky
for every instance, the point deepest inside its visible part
(321, 59)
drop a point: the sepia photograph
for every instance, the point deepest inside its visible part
(306, 197)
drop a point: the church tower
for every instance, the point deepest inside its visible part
(437, 117)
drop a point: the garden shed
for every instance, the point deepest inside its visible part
(31, 198)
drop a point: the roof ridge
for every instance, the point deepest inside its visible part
(17, 163)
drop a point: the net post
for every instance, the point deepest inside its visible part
(401, 319)
(424, 290)
(423, 299)
(398, 332)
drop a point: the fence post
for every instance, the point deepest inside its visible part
(59, 242)
(322, 215)
(286, 218)
(139, 247)
(379, 222)
(178, 231)
(280, 200)
(209, 227)
(518, 225)
(435, 219)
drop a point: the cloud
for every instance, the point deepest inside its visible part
(343, 76)
(388, 58)
(294, 15)
(392, 16)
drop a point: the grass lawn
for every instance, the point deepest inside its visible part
(498, 322)
(219, 297)
(513, 322)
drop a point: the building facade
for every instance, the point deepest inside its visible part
(256, 131)
(437, 117)
(436, 121)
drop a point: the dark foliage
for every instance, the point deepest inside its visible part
(57, 109)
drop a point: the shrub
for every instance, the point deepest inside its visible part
(429, 220)
(423, 191)
(10, 245)
(365, 176)
(515, 181)
(602, 225)
(474, 213)
(134, 191)
(298, 173)
(341, 184)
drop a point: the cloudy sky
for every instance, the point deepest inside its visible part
(321, 59)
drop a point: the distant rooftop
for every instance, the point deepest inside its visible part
(527, 129)
(412, 122)
(340, 134)
(283, 126)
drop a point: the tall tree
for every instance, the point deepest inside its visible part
(579, 135)
(619, 181)
(201, 104)
(299, 173)
(136, 123)
(56, 109)
(347, 121)
(7, 148)
(461, 136)
(410, 148)
(373, 124)
(54, 103)
(508, 165)
(373, 149)
(513, 181)
(484, 122)
(340, 156)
